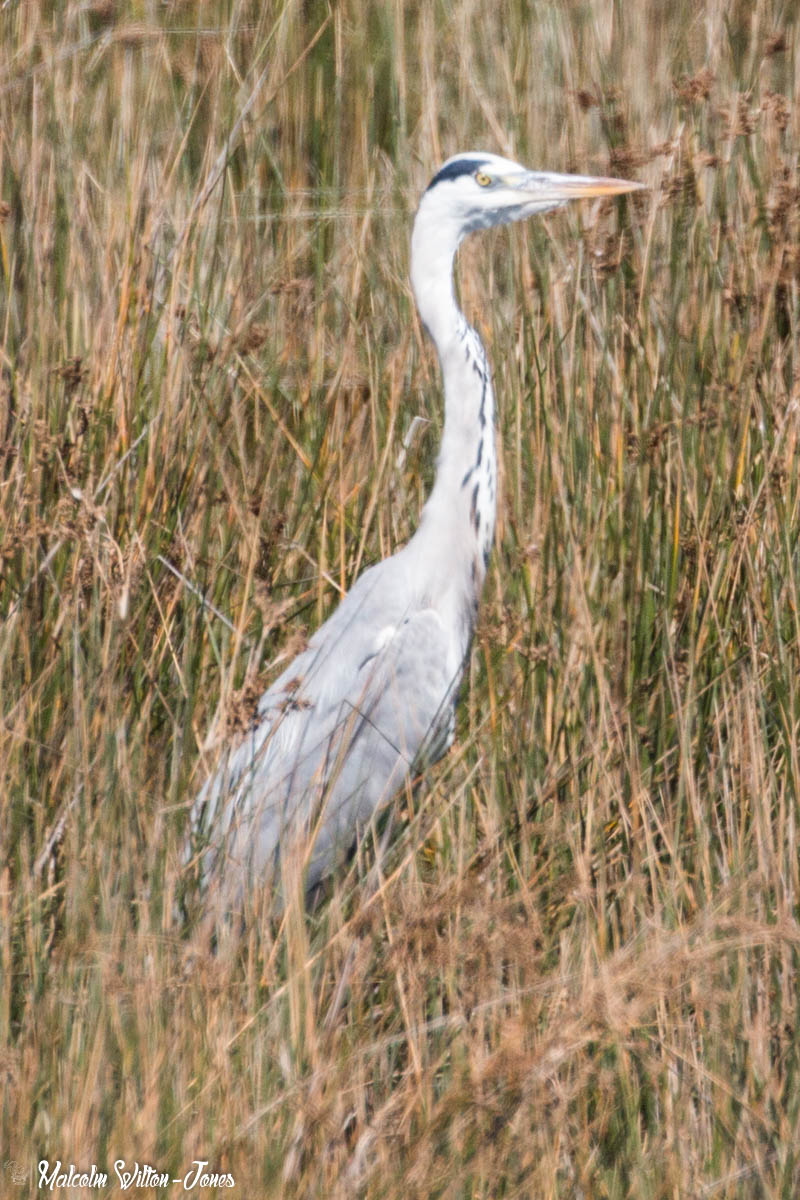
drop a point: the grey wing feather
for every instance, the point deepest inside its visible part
(338, 732)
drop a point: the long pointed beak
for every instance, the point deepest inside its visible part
(550, 188)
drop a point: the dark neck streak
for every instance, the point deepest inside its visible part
(459, 516)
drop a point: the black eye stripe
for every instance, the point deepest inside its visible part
(454, 170)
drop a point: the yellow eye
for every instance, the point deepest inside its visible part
(482, 178)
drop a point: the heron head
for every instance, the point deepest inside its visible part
(476, 190)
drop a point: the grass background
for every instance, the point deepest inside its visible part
(579, 976)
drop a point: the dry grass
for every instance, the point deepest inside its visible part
(579, 977)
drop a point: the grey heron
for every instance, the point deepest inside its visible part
(372, 697)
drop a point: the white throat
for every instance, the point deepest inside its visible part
(457, 526)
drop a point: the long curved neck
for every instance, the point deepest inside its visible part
(457, 526)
